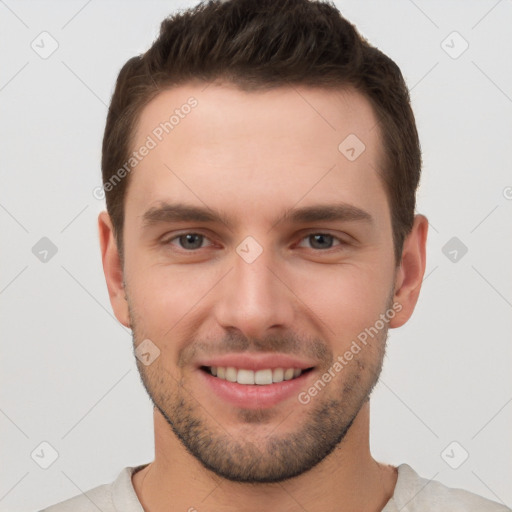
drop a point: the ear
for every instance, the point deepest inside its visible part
(112, 269)
(409, 276)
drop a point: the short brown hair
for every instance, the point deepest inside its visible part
(258, 44)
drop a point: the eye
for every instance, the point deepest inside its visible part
(192, 241)
(322, 241)
(188, 241)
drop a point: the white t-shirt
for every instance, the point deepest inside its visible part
(412, 494)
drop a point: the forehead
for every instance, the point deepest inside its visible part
(227, 148)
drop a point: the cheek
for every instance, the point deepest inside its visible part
(347, 299)
(166, 301)
(163, 292)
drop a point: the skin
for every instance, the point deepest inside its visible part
(253, 155)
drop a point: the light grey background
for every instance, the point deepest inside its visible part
(68, 376)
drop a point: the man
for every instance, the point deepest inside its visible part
(260, 163)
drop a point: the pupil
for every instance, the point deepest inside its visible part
(189, 238)
(322, 238)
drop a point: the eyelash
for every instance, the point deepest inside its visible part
(341, 242)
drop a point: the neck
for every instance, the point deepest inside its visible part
(349, 479)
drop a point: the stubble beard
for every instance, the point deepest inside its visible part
(323, 423)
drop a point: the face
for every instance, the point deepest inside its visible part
(258, 253)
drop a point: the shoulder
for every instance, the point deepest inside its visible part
(117, 495)
(98, 498)
(416, 494)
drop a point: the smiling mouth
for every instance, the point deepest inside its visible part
(263, 377)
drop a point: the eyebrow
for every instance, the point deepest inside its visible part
(180, 212)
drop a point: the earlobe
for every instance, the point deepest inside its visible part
(112, 269)
(409, 276)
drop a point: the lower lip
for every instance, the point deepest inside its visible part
(254, 396)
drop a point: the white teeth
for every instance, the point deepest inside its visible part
(288, 374)
(245, 377)
(263, 377)
(260, 377)
(231, 374)
(278, 375)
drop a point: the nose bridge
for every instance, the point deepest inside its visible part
(253, 299)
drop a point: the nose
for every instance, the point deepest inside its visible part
(254, 297)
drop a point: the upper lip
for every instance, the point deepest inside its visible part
(257, 361)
